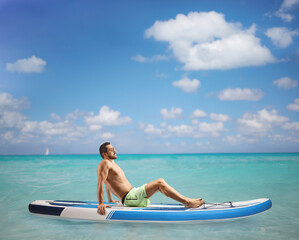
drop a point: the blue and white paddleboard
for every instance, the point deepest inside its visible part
(152, 213)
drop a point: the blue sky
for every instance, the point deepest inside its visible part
(149, 76)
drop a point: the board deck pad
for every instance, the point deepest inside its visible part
(87, 210)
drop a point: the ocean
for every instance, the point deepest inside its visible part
(214, 177)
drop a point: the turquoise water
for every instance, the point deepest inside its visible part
(214, 177)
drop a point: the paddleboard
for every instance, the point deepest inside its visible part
(152, 213)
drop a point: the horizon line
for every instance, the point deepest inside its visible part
(61, 154)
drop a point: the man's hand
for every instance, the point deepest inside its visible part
(101, 208)
(115, 201)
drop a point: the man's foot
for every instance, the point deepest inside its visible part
(194, 203)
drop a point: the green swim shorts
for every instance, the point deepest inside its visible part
(136, 198)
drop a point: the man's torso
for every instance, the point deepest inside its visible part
(116, 180)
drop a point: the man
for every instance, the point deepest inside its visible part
(110, 174)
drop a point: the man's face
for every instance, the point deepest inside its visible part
(111, 152)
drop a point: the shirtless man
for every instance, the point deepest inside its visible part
(116, 182)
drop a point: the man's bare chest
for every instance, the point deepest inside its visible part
(116, 171)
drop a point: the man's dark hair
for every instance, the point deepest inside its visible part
(103, 148)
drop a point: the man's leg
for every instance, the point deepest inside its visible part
(160, 185)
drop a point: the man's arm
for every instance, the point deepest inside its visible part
(102, 173)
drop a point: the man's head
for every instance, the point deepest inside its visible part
(107, 151)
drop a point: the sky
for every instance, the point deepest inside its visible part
(149, 76)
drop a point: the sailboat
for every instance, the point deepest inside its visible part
(47, 151)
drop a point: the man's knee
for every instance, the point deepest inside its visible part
(161, 181)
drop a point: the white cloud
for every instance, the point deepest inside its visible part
(65, 129)
(151, 129)
(107, 135)
(234, 139)
(293, 126)
(283, 138)
(46, 127)
(236, 94)
(155, 58)
(285, 83)
(107, 117)
(55, 116)
(281, 36)
(181, 130)
(9, 103)
(286, 7)
(17, 128)
(29, 65)
(25, 130)
(197, 113)
(237, 139)
(187, 85)
(139, 58)
(68, 130)
(260, 123)
(163, 124)
(294, 106)
(205, 40)
(7, 136)
(12, 120)
(197, 130)
(158, 57)
(279, 137)
(9, 117)
(172, 113)
(161, 75)
(75, 114)
(220, 117)
(212, 128)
